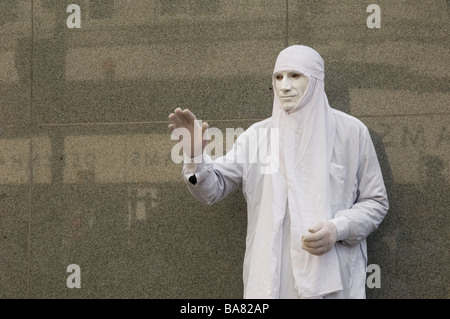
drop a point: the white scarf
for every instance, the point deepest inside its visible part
(307, 135)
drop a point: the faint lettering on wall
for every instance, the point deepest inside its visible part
(119, 159)
(15, 160)
(410, 145)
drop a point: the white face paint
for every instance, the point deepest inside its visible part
(290, 87)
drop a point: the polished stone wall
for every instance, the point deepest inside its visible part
(86, 176)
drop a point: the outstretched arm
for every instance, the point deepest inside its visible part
(208, 181)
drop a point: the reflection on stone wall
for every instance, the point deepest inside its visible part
(85, 164)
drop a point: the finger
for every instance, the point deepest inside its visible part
(176, 120)
(310, 250)
(313, 237)
(313, 244)
(185, 120)
(172, 127)
(189, 115)
(316, 227)
(205, 133)
(319, 251)
(174, 113)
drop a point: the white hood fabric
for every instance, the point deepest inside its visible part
(307, 135)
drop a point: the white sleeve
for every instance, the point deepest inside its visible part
(214, 179)
(371, 205)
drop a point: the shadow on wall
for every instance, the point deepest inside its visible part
(408, 245)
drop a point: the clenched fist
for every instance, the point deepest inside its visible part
(321, 239)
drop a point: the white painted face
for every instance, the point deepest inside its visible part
(290, 87)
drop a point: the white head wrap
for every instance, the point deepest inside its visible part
(302, 182)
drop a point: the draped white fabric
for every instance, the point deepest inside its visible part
(307, 135)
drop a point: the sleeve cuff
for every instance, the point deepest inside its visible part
(341, 223)
(197, 166)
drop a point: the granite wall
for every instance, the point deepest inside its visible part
(86, 175)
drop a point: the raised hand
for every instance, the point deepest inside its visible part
(190, 130)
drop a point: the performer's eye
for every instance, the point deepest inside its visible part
(279, 77)
(296, 76)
